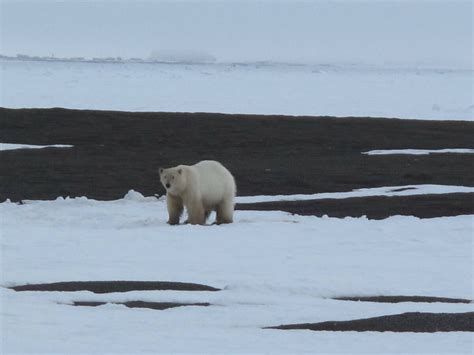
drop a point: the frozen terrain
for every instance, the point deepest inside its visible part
(396, 59)
(405, 59)
(252, 88)
(10, 146)
(407, 190)
(273, 267)
(417, 151)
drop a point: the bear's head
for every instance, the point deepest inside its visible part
(173, 180)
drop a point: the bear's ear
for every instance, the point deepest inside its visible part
(160, 170)
(180, 171)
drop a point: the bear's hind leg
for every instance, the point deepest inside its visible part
(196, 214)
(175, 208)
(225, 212)
(206, 216)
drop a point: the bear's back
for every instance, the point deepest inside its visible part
(215, 180)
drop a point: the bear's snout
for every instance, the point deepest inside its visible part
(167, 185)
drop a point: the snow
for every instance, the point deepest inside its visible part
(340, 58)
(11, 146)
(418, 151)
(405, 190)
(273, 268)
(252, 88)
(403, 59)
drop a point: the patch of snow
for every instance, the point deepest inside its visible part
(10, 146)
(273, 267)
(252, 88)
(405, 190)
(407, 71)
(136, 196)
(419, 151)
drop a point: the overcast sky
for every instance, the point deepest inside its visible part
(434, 33)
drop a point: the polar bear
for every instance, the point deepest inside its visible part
(202, 188)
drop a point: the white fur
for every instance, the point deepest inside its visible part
(201, 188)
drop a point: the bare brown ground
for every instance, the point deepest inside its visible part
(114, 286)
(406, 322)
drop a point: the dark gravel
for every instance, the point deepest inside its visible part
(118, 151)
(406, 322)
(114, 286)
(399, 299)
(142, 304)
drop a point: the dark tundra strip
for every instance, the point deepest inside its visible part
(268, 155)
(142, 304)
(115, 286)
(406, 322)
(399, 299)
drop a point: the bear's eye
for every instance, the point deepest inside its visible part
(172, 178)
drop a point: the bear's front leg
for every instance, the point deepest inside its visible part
(175, 208)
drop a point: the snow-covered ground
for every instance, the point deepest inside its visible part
(335, 90)
(418, 151)
(273, 267)
(405, 59)
(406, 190)
(11, 146)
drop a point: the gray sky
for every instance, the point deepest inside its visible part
(434, 33)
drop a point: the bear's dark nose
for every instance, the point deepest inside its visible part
(168, 186)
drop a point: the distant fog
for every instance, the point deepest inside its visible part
(421, 33)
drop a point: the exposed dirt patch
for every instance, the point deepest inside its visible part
(403, 189)
(114, 286)
(376, 207)
(406, 322)
(142, 304)
(117, 151)
(399, 299)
